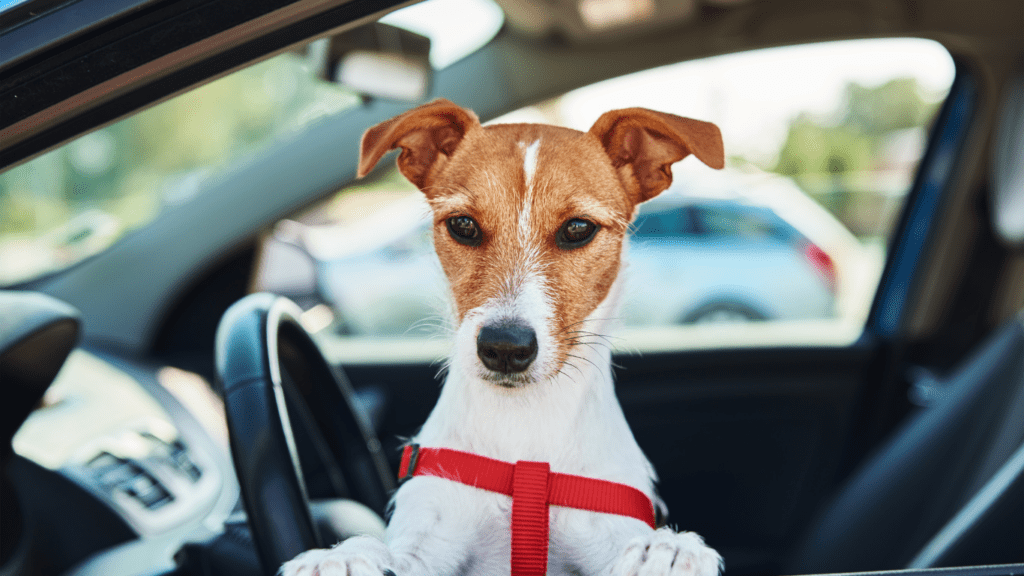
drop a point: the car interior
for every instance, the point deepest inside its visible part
(169, 411)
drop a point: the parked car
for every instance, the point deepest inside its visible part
(698, 260)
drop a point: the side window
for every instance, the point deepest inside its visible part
(659, 221)
(785, 245)
(727, 220)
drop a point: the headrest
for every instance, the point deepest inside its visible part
(1008, 165)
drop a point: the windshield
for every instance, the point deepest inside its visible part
(76, 201)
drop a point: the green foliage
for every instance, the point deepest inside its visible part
(859, 157)
(813, 148)
(126, 169)
(895, 105)
(852, 139)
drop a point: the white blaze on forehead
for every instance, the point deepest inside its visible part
(530, 161)
(529, 169)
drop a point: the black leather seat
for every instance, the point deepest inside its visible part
(945, 489)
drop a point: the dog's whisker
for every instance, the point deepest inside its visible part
(568, 326)
(559, 371)
(574, 340)
(605, 336)
(583, 358)
(433, 327)
(443, 370)
(570, 364)
(594, 334)
(584, 335)
(595, 345)
(591, 345)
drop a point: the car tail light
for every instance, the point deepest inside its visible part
(823, 265)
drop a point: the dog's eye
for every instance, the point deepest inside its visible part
(464, 230)
(575, 233)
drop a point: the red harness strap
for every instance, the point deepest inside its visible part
(533, 487)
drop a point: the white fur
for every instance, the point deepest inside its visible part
(530, 160)
(529, 169)
(568, 418)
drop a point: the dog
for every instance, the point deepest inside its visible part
(530, 226)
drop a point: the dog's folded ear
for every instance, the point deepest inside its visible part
(643, 145)
(426, 134)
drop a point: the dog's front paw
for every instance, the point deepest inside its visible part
(667, 553)
(359, 556)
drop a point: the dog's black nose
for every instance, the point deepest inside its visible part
(506, 348)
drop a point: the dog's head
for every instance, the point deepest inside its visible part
(529, 220)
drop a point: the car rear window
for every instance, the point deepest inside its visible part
(660, 221)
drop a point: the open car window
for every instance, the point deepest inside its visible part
(784, 246)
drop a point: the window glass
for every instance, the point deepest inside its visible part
(785, 245)
(77, 200)
(664, 222)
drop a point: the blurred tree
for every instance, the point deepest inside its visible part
(896, 105)
(813, 148)
(123, 167)
(127, 169)
(841, 159)
(850, 139)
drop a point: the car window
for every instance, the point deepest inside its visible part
(785, 245)
(666, 221)
(736, 221)
(77, 200)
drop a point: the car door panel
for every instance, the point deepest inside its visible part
(756, 439)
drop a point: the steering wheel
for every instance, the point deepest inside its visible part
(281, 398)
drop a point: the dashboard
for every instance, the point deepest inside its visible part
(147, 443)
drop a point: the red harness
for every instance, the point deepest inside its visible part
(533, 487)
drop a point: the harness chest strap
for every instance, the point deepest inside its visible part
(533, 487)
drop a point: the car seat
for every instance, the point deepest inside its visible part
(931, 472)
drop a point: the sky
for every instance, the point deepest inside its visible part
(752, 96)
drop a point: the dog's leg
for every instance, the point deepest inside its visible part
(416, 553)
(664, 552)
(605, 545)
(431, 533)
(358, 556)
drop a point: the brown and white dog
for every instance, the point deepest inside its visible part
(530, 225)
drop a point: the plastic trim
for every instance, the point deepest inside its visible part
(931, 187)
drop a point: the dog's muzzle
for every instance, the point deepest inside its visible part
(506, 347)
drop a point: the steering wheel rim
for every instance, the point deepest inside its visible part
(257, 337)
